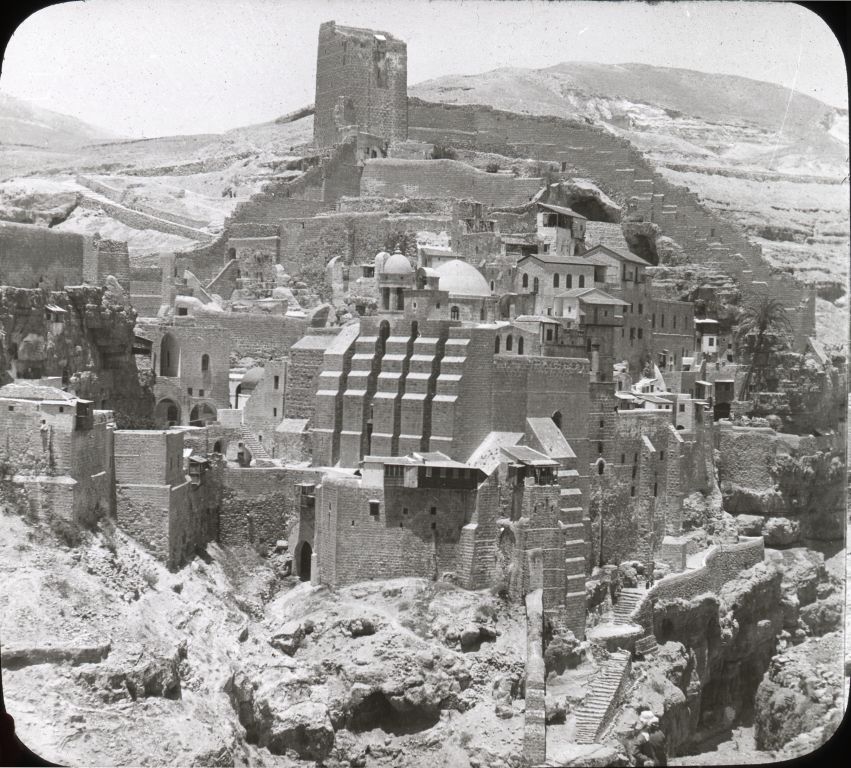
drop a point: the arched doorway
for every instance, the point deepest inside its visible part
(169, 356)
(556, 417)
(202, 414)
(167, 413)
(304, 561)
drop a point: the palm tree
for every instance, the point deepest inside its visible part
(764, 327)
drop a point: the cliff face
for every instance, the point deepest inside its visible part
(87, 341)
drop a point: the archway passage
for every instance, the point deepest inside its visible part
(304, 561)
(167, 413)
(169, 356)
(202, 414)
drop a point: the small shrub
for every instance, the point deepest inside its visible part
(492, 167)
(107, 530)
(464, 738)
(150, 577)
(68, 533)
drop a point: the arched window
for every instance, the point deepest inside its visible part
(569, 283)
(205, 363)
(509, 343)
(581, 281)
(601, 466)
(496, 345)
(169, 356)
(520, 346)
(555, 280)
(525, 280)
(556, 417)
(535, 285)
(482, 313)
(491, 285)
(454, 313)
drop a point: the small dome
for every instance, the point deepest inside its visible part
(251, 378)
(397, 264)
(462, 279)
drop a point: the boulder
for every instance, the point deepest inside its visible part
(289, 638)
(358, 627)
(303, 728)
(823, 616)
(750, 525)
(781, 531)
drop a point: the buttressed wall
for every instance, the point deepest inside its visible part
(361, 79)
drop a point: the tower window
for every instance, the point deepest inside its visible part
(374, 507)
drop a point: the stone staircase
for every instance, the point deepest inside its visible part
(258, 452)
(646, 646)
(594, 714)
(628, 602)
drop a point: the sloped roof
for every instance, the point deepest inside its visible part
(554, 258)
(19, 390)
(620, 255)
(563, 210)
(592, 296)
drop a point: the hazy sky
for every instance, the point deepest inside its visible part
(160, 67)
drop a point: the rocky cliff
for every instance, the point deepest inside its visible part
(89, 344)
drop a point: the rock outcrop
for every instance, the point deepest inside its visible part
(801, 693)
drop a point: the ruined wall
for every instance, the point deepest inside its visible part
(30, 256)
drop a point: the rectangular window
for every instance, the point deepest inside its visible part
(711, 342)
(274, 412)
(277, 382)
(631, 334)
(404, 510)
(428, 472)
(661, 455)
(675, 321)
(189, 390)
(433, 511)
(373, 508)
(653, 320)
(200, 393)
(640, 309)
(682, 407)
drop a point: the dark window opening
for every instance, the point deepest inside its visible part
(374, 508)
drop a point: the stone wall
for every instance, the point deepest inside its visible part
(413, 534)
(723, 563)
(259, 504)
(139, 220)
(442, 179)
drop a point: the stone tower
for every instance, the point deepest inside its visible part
(361, 80)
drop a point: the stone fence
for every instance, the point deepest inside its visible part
(139, 220)
(534, 727)
(723, 562)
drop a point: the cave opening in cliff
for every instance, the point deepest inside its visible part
(375, 711)
(644, 246)
(593, 210)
